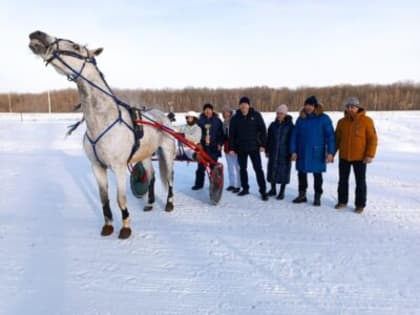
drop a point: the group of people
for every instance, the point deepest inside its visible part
(311, 142)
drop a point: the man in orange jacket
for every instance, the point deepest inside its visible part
(356, 140)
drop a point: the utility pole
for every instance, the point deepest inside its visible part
(49, 101)
(10, 102)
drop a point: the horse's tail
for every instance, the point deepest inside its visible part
(166, 160)
(163, 168)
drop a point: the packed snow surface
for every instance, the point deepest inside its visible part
(243, 256)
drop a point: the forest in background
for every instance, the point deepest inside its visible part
(397, 96)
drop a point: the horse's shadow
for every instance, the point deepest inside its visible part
(78, 167)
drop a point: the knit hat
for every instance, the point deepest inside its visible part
(208, 105)
(352, 101)
(311, 100)
(282, 109)
(227, 108)
(244, 99)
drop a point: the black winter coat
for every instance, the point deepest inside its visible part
(278, 151)
(216, 134)
(247, 133)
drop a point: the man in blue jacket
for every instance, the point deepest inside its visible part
(248, 136)
(212, 139)
(312, 146)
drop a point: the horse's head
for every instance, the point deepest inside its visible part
(67, 57)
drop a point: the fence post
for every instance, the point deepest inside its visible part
(10, 102)
(49, 101)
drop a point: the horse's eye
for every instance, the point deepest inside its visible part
(75, 46)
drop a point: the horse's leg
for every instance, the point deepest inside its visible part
(170, 200)
(166, 165)
(102, 180)
(120, 173)
(167, 172)
(147, 163)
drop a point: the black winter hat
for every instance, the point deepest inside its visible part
(311, 100)
(208, 105)
(244, 99)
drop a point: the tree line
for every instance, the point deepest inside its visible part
(397, 96)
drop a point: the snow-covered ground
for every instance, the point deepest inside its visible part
(244, 256)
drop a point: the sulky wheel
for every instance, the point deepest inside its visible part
(216, 183)
(138, 180)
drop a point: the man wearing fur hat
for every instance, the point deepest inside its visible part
(312, 146)
(356, 140)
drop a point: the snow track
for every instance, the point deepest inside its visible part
(244, 256)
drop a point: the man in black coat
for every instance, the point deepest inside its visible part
(248, 136)
(212, 139)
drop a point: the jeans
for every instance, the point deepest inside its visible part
(200, 172)
(233, 170)
(359, 169)
(255, 157)
(303, 182)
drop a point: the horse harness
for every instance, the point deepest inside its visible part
(135, 113)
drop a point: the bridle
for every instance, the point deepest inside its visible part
(57, 53)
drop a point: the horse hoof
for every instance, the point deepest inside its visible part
(124, 233)
(169, 207)
(107, 230)
(148, 208)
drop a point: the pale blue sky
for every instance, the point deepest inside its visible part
(235, 43)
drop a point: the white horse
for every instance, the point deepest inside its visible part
(110, 139)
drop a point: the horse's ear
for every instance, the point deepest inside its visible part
(96, 52)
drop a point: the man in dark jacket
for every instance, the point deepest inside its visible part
(248, 136)
(212, 139)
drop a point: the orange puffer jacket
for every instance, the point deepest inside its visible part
(356, 137)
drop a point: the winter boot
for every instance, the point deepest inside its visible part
(359, 209)
(317, 199)
(243, 192)
(301, 198)
(340, 206)
(236, 190)
(264, 196)
(272, 191)
(280, 196)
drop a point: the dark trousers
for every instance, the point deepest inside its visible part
(303, 182)
(359, 169)
(255, 157)
(200, 172)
